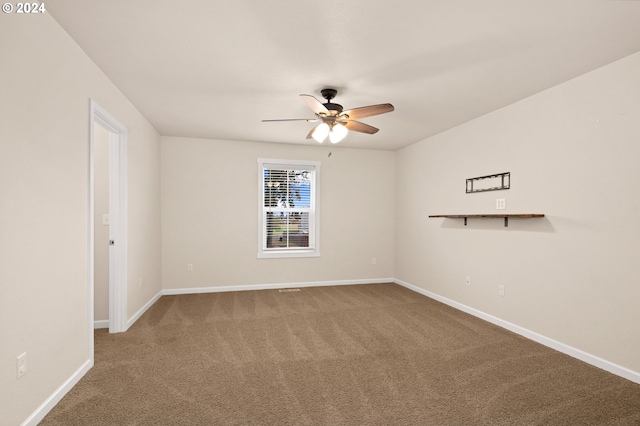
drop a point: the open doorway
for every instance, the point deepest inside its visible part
(107, 222)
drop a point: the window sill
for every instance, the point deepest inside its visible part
(283, 254)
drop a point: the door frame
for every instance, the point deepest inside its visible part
(117, 219)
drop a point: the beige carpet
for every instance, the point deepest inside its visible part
(374, 354)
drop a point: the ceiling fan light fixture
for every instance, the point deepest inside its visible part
(338, 132)
(321, 132)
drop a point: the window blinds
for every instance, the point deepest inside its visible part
(288, 207)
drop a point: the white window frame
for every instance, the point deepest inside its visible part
(314, 240)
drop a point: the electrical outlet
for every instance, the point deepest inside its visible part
(105, 219)
(467, 280)
(190, 267)
(501, 203)
(21, 365)
(501, 290)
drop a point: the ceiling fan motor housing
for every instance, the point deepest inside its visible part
(333, 107)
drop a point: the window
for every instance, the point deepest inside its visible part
(288, 208)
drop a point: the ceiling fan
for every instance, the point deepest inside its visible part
(335, 122)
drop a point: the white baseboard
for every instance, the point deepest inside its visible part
(37, 416)
(174, 291)
(142, 310)
(101, 324)
(105, 323)
(618, 370)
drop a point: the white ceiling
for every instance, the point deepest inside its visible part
(214, 69)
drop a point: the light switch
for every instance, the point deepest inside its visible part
(21, 365)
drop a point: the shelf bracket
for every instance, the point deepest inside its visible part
(506, 221)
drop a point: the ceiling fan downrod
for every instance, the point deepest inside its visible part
(329, 94)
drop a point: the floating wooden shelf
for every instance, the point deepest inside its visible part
(504, 216)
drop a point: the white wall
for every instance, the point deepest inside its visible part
(210, 215)
(573, 155)
(143, 213)
(47, 82)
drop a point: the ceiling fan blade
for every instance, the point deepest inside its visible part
(356, 126)
(311, 132)
(308, 120)
(368, 111)
(314, 104)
